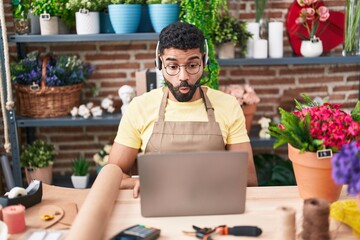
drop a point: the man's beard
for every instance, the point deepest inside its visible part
(183, 97)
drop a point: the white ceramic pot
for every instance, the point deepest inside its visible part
(311, 48)
(80, 181)
(49, 25)
(87, 22)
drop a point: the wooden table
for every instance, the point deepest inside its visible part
(261, 206)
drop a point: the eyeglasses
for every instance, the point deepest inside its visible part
(190, 68)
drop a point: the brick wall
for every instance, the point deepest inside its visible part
(116, 63)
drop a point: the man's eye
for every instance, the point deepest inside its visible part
(173, 67)
(192, 65)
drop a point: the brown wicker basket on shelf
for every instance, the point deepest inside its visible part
(46, 102)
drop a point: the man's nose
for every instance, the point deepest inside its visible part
(183, 74)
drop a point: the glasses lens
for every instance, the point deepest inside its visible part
(174, 69)
(192, 68)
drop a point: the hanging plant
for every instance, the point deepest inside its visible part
(203, 14)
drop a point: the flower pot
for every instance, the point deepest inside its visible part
(125, 18)
(145, 22)
(87, 22)
(34, 23)
(49, 25)
(105, 23)
(162, 15)
(313, 175)
(80, 181)
(249, 111)
(42, 174)
(22, 26)
(226, 50)
(311, 48)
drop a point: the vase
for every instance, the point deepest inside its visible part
(313, 175)
(226, 50)
(22, 26)
(249, 111)
(162, 15)
(311, 48)
(352, 28)
(49, 25)
(125, 18)
(42, 174)
(87, 22)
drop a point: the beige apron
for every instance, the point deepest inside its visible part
(172, 136)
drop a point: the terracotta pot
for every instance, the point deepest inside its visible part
(313, 175)
(42, 174)
(249, 111)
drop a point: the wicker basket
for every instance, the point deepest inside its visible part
(47, 102)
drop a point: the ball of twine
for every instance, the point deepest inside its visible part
(316, 219)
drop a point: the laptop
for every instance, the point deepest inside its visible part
(192, 183)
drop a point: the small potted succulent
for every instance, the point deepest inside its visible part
(80, 168)
(37, 159)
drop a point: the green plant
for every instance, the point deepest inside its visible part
(230, 29)
(20, 8)
(92, 6)
(39, 154)
(162, 1)
(315, 126)
(273, 170)
(80, 166)
(352, 21)
(260, 6)
(127, 1)
(51, 7)
(203, 13)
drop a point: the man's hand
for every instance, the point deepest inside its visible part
(136, 189)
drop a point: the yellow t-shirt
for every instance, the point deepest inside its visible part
(137, 123)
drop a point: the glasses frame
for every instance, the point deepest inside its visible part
(184, 66)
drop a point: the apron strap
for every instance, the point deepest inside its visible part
(163, 105)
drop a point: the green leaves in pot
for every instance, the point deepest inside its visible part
(80, 166)
(39, 154)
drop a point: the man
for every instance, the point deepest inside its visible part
(184, 116)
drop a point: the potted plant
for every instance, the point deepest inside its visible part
(163, 13)
(37, 159)
(87, 15)
(39, 79)
(247, 99)
(49, 12)
(102, 157)
(80, 168)
(229, 32)
(125, 15)
(314, 131)
(20, 11)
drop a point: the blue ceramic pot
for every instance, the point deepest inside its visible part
(162, 15)
(125, 18)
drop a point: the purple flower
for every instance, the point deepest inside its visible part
(346, 167)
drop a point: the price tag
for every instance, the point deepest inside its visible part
(45, 16)
(325, 153)
(84, 11)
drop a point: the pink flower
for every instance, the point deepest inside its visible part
(244, 94)
(310, 15)
(324, 13)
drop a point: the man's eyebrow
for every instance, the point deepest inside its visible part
(174, 59)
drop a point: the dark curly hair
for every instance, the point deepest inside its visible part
(181, 35)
